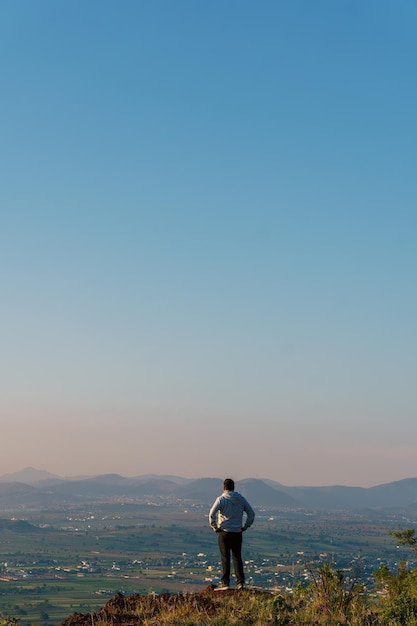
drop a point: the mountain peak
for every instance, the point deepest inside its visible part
(27, 475)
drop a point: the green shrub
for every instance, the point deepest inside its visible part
(332, 598)
(398, 603)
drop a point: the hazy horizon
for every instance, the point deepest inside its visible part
(34, 471)
(208, 239)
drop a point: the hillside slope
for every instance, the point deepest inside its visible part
(153, 610)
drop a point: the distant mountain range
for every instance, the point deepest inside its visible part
(31, 488)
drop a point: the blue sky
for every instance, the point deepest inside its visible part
(208, 239)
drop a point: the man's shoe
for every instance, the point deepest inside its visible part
(222, 587)
(240, 586)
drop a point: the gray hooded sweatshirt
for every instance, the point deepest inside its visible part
(227, 513)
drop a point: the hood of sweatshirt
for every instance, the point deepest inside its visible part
(233, 496)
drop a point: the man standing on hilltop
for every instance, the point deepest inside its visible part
(226, 519)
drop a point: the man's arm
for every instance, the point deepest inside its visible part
(213, 514)
(250, 515)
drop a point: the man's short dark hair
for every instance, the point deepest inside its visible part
(229, 484)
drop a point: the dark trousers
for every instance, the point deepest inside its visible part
(231, 543)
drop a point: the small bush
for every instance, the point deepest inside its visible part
(8, 621)
(398, 604)
(332, 598)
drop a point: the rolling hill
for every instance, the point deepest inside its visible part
(42, 489)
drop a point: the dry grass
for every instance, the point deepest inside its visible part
(329, 600)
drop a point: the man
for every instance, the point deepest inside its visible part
(226, 519)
